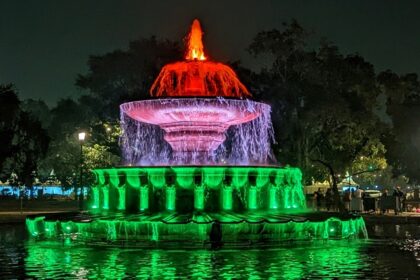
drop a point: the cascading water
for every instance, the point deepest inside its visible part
(193, 125)
(198, 169)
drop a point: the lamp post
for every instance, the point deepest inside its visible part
(108, 132)
(82, 137)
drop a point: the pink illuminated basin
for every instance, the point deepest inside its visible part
(194, 124)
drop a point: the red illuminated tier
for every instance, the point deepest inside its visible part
(194, 124)
(196, 76)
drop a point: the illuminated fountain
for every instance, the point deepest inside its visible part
(198, 169)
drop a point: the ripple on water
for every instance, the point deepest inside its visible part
(321, 260)
(334, 259)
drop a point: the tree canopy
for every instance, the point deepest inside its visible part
(322, 102)
(23, 140)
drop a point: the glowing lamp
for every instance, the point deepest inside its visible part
(82, 136)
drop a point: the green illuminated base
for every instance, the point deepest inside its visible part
(185, 189)
(196, 206)
(196, 230)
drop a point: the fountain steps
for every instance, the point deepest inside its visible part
(173, 228)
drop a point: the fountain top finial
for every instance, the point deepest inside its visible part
(195, 47)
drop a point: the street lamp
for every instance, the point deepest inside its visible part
(82, 137)
(108, 132)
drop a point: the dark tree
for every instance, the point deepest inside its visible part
(403, 106)
(23, 140)
(122, 76)
(323, 102)
(39, 110)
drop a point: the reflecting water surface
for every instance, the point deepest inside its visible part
(354, 259)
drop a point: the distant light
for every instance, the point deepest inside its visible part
(108, 129)
(67, 227)
(82, 136)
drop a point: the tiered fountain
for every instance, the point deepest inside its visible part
(198, 169)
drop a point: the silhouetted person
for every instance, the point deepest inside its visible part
(357, 202)
(399, 196)
(347, 199)
(382, 201)
(318, 198)
(329, 199)
(216, 235)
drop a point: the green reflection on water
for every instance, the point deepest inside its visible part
(323, 260)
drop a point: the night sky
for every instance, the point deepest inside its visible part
(45, 44)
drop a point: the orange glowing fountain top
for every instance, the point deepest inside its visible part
(197, 76)
(195, 124)
(195, 48)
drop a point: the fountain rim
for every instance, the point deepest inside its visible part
(219, 98)
(263, 166)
